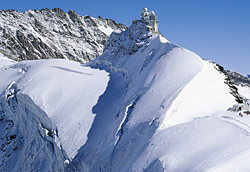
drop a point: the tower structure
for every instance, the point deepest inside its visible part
(150, 18)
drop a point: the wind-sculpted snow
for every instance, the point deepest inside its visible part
(159, 94)
(204, 144)
(48, 34)
(145, 105)
(65, 90)
(153, 77)
(202, 91)
(28, 137)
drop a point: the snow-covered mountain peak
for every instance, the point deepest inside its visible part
(144, 105)
(153, 91)
(46, 34)
(128, 42)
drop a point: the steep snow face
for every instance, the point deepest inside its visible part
(199, 97)
(28, 137)
(144, 105)
(65, 90)
(150, 70)
(161, 111)
(47, 34)
(155, 77)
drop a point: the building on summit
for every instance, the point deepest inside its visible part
(150, 18)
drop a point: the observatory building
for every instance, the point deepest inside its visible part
(150, 18)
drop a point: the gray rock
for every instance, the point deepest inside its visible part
(47, 34)
(238, 79)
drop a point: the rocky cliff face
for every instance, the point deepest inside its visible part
(53, 33)
(238, 79)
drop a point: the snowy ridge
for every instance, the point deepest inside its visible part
(144, 105)
(47, 34)
(163, 95)
(65, 90)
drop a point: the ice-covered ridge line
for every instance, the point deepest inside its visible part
(161, 69)
(200, 91)
(137, 111)
(180, 88)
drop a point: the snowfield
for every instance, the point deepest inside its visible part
(65, 90)
(205, 144)
(144, 105)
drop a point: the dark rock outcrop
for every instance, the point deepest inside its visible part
(47, 34)
(238, 79)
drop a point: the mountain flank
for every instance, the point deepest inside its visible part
(51, 34)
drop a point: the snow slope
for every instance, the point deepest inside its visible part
(28, 137)
(197, 146)
(145, 104)
(200, 97)
(167, 108)
(65, 90)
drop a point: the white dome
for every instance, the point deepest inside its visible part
(145, 9)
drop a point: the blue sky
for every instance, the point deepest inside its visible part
(217, 30)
